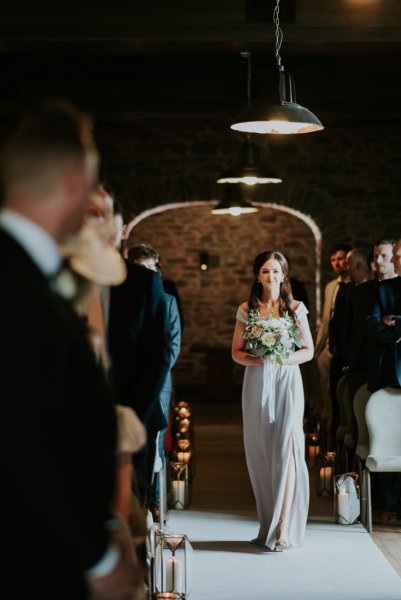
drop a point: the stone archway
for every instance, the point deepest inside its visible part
(181, 232)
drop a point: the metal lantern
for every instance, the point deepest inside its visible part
(171, 572)
(312, 449)
(179, 488)
(325, 474)
(347, 506)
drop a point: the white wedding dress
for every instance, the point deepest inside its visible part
(273, 408)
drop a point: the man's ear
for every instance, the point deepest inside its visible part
(74, 179)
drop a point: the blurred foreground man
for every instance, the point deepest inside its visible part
(57, 431)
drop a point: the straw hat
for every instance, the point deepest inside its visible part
(93, 258)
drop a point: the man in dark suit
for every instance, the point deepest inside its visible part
(138, 342)
(147, 256)
(384, 329)
(57, 425)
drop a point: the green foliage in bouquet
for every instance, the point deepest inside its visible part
(275, 337)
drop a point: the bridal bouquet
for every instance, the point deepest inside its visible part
(275, 337)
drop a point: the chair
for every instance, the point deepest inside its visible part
(361, 398)
(383, 420)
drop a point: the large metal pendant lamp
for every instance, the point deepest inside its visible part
(281, 114)
(249, 169)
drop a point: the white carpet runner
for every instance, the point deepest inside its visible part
(336, 562)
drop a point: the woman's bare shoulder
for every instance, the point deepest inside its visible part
(244, 307)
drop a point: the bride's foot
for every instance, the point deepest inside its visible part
(282, 536)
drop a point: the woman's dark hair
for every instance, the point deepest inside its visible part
(286, 297)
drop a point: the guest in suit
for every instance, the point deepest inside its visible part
(58, 423)
(138, 343)
(145, 255)
(323, 354)
(359, 360)
(384, 328)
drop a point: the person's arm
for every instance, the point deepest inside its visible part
(237, 349)
(305, 353)
(376, 329)
(118, 573)
(175, 331)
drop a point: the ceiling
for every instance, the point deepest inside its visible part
(180, 60)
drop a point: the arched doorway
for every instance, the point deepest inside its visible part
(185, 233)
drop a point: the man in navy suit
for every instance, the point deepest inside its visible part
(138, 341)
(147, 256)
(384, 328)
(57, 429)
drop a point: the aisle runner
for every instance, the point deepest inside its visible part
(336, 562)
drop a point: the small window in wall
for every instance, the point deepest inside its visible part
(261, 11)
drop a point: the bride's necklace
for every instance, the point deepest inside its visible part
(271, 308)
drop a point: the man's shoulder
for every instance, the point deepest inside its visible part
(367, 288)
(15, 262)
(393, 283)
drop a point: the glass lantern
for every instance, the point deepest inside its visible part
(347, 506)
(325, 474)
(171, 571)
(179, 488)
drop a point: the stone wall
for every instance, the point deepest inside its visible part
(210, 298)
(347, 179)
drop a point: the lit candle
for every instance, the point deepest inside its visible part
(344, 512)
(314, 452)
(183, 457)
(325, 475)
(178, 494)
(175, 575)
(183, 444)
(184, 412)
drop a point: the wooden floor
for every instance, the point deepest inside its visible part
(229, 418)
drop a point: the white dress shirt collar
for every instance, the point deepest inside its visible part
(36, 242)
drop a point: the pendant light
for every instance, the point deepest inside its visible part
(249, 169)
(232, 202)
(282, 115)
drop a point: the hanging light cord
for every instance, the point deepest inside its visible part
(279, 34)
(247, 56)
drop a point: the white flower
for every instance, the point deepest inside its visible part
(268, 339)
(284, 332)
(64, 285)
(286, 342)
(256, 331)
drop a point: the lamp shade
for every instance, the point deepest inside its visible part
(232, 202)
(249, 169)
(280, 114)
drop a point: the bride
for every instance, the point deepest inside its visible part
(273, 407)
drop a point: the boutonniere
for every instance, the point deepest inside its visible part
(65, 285)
